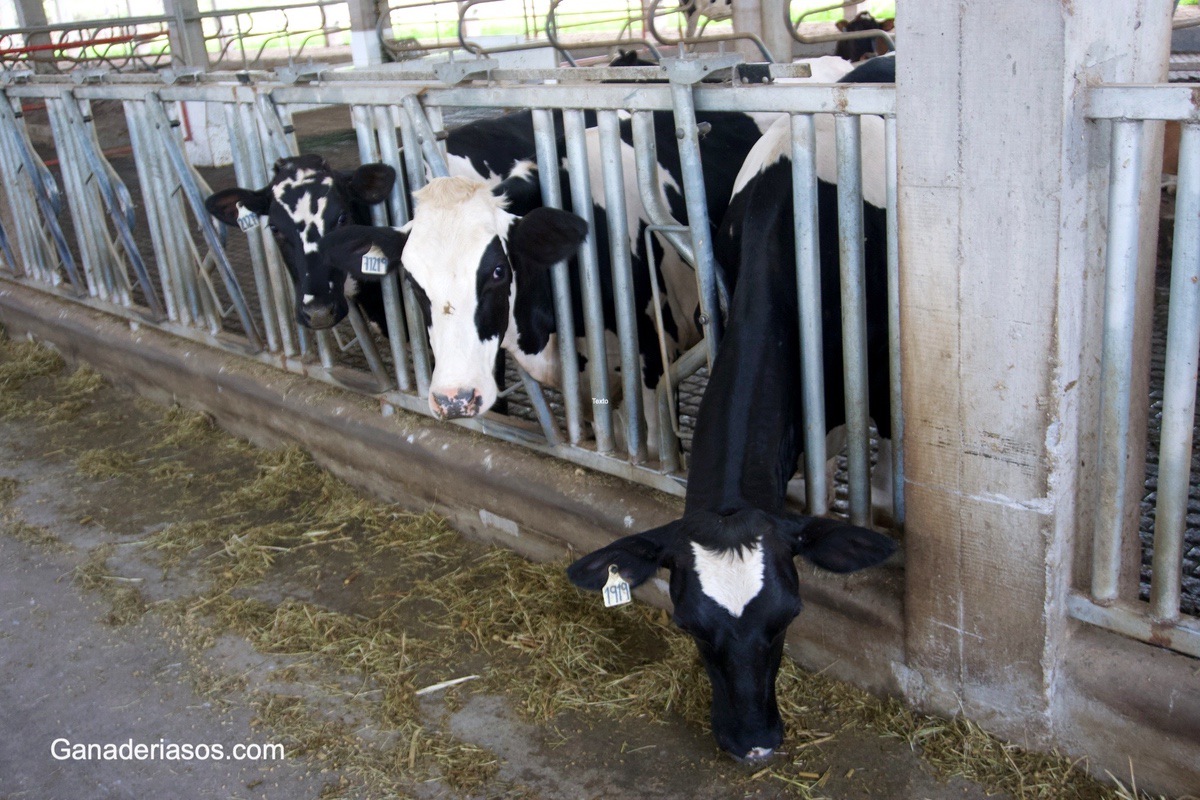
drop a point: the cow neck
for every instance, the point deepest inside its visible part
(746, 441)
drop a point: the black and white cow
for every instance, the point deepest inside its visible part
(305, 200)
(865, 48)
(457, 254)
(714, 10)
(733, 583)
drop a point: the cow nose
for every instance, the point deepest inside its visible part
(317, 315)
(759, 753)
(462, 403)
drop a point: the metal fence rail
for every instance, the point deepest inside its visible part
(248, 307)
(1160, 620)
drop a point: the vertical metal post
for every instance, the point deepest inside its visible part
(854, 315)
(246, 175)
(622, 277)
(30, 255)
(97, 286)
(589, 267)
(697, 210)
(1116, 367)
(1179, 385)
(417, 335)
(549, 178)
(393, 304)
(896, 403)
(146, 161)
(808, 292)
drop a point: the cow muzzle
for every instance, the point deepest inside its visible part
(456, 404)
(318, 316)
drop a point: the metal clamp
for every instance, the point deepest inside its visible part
(92, 75)
(453, 73)
(8, 77)
(306, 73)
(173, 76)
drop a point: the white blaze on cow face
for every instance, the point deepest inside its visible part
(455, 222)
(731, 578)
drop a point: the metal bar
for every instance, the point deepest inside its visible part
(246, 175)
(622, 277)
(108, 195)
(1179, 385)
(548, 176)
(854, 315)
(43, 201)
(896, 396)
(417, 332)
(696, 201)
(1148, 101)
(1133, 619)
(150, 169)
(158, 117)
(1116, 369)
(89, 256)
(36, 253)
(367, 344)
(393, 304)
(649, 187)
(808, 291)
(589, 269)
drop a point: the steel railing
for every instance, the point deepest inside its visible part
(1158, 620)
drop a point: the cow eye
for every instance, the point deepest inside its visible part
(500, 272)
(342, 219)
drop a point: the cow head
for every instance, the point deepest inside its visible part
(473, 266)
(735, 589)
(854, 50)
(306, 200)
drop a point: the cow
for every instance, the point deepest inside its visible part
(733, 580)
(859, 49)
(458, 244)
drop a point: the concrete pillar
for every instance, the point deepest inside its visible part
(1001, 227)
(185, 33)
(775, 33)
(748, 18)
(32, 14)
(365, 48)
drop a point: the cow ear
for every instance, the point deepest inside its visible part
(636, 557)
(887, 24)
(224, 204)
(841, 24)
(364, 252)
(835, 545)
(372, 183)
(546, 236)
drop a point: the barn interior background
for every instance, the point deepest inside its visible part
(1045, 287)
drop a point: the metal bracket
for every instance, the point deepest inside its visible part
(10, 76)
(176, 75)
(307, 73)
(83, 76)
(453, 73)
(689, 71)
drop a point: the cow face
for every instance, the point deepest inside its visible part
(471, 265)
(306, 200)
(735, 589)
(855, 50)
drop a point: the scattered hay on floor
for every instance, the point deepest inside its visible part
(22, 361)
(181, 427)
(105, 462)
(125, 599)
(9, 488)
(35, 535)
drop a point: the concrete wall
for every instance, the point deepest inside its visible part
(1001, 226)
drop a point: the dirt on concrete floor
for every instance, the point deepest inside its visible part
(165, 584)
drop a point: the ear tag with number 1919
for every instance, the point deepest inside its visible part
(616, 590)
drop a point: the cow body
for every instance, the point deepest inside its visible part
(455, 230)
(733, 583)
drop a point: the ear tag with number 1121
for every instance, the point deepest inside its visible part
(616, 590)
(374, 262)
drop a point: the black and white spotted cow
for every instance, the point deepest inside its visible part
(733, 580)
(714, 10)
(459, 254)
(305, 200)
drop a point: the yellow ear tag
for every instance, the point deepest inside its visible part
(616, 590)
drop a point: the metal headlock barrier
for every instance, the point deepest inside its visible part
(1159, 620)
(191, 285)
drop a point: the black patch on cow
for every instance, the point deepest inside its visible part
(493, 277)
(874, 70)
(421, 298)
